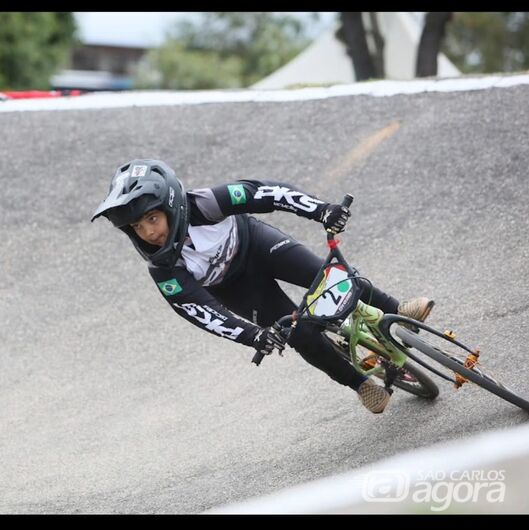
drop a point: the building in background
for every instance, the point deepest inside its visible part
(112, 44)
(100, 67)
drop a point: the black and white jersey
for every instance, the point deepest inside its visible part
(216, 246)
(209, 250)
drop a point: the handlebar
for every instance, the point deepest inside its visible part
(347, 201)
(258, 357)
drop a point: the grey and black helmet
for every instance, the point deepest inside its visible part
(139, 187)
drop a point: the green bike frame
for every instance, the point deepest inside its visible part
(361, 327)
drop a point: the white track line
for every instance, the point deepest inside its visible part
(102, 100)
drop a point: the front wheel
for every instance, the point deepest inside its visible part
(457, 365)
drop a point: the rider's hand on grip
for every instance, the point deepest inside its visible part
(268, 339)
(334, 218)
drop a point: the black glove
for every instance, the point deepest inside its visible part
(334, 217)
(267, 339)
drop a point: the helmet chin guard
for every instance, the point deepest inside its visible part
(138, 187)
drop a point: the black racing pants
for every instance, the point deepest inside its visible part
(255, 295)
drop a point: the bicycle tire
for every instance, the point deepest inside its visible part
(426, 387)
(484, 381)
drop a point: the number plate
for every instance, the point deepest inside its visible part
(334, 300)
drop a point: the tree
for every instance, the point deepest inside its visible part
(33, 46)
(174, 66)
(352, 33)
(367, 64)
(379, 42)
(485, 42)
(430, 43)
(238, 49)
(475, 42)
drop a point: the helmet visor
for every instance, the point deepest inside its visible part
(124, 205)
(132, 212)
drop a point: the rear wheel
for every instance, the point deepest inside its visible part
(408, 378)
(449, 357)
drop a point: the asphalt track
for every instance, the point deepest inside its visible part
(110, 403)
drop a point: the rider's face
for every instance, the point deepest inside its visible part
(152, 228)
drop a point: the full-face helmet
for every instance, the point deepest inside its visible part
(138, 187)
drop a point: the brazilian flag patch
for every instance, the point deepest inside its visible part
(237, 194)
(170, 287)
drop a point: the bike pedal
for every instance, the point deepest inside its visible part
(369, 362)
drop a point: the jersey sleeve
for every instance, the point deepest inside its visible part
(253, 196)
(194, 303)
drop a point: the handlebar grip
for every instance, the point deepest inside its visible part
(257, 358)
(347, 200)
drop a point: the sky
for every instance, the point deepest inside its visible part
(146, 29)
